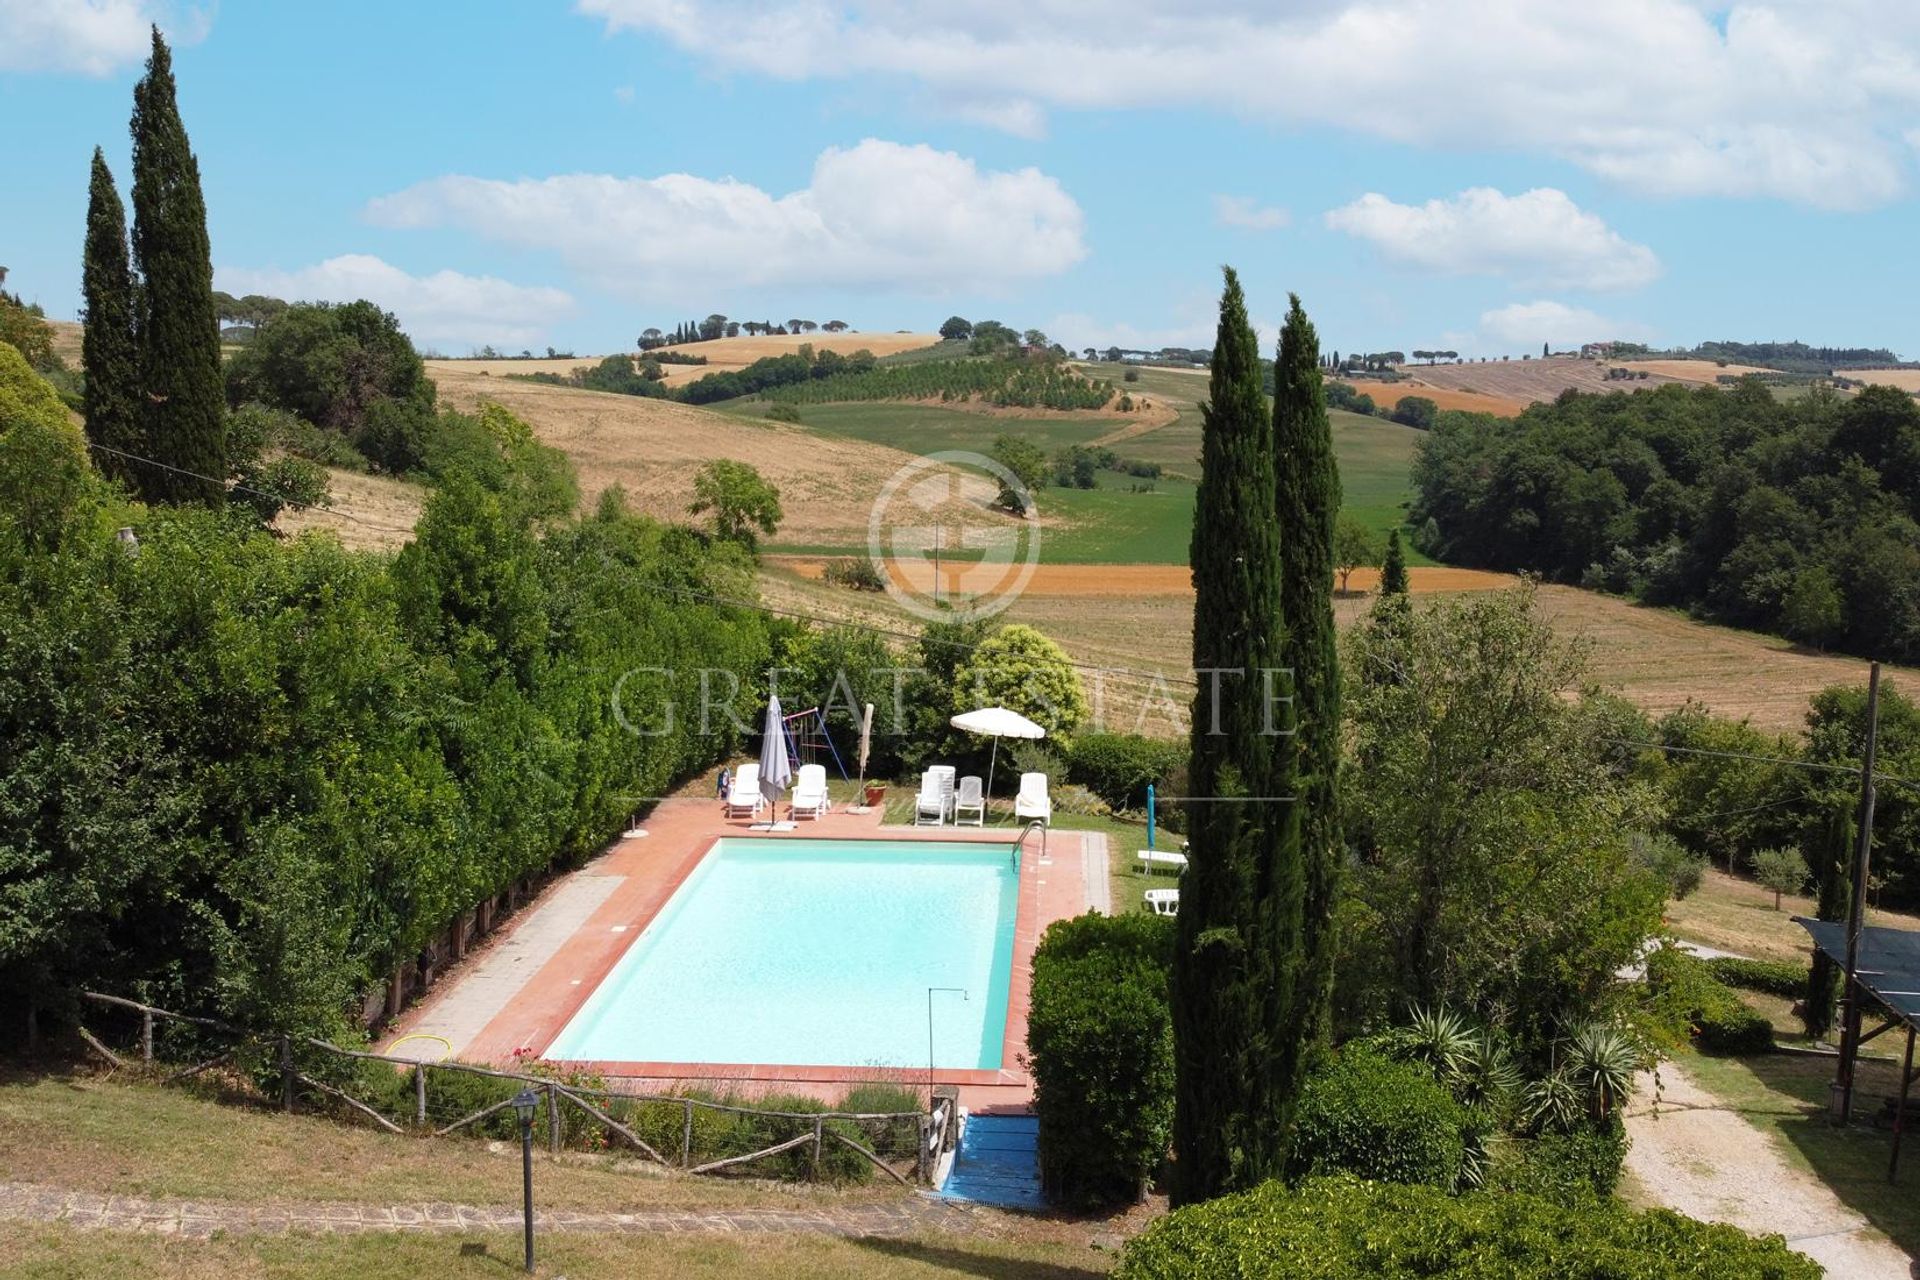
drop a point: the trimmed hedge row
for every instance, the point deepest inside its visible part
(1345, 1229)
(1686, 997)
(1118, 767)
(1365, 1114)
(1563, 1167)
(1772, 977)
(1100, 1046)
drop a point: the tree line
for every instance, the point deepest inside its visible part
(1801, 518)
(717, 325)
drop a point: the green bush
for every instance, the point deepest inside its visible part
(857, 573)
(1563, 1167)
(1100, 1046)
(1772, 977)
(1686, 1000)
(1365, 1114)
(1344, 1229)
(780, 411)
(1118, 767)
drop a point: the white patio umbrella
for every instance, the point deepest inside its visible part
(776, 771)
(997, 723)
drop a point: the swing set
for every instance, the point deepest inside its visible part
(806, 736)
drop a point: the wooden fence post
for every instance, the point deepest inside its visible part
(146, 1035)
(818, 1126)
(686, 1139)
(926, 1137)
(286, 1074)
(420, 1094)
(553, 1120)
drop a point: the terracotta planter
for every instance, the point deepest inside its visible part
(876, 794)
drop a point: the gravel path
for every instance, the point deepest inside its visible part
(1708, 1162)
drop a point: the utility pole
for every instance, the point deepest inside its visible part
(1857, 907)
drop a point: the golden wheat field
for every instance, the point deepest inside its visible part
(737, 353)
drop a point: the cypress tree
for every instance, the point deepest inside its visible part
(1233, 973)
(1308, 488)
(1833, 866)
(1393, 570)
(108, 349)
(182, 400)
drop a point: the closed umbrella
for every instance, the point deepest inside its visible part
(776, 771)
(996, 723)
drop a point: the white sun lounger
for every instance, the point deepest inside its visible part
(1163, 902)
(743, 792)
(1033, 801)
(1151, 858)
(810, 792)
(931, 803)
(968, 799)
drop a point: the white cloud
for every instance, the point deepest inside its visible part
(878, 216)
(1538, 237)
(1804, 100)
(1247, 214)
(446, 309)
(92, 37)
(1525, 325)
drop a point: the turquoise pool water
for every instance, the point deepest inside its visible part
(815, 953)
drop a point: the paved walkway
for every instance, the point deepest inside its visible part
(32, 1202)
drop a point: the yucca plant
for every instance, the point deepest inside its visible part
(1602, 1060)
(1554, 1103)
(1485, 1077)
(1442, 1039)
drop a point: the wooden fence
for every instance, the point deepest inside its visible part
(610, 1111)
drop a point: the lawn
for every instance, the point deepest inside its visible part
(1731, 914)
(49, 1251)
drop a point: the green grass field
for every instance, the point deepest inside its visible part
(1113, 524)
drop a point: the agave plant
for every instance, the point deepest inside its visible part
(1601, 1060)
(1554, 1102)
(1442, 1039)
(1485, 1076)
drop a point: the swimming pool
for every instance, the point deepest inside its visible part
(794, 952)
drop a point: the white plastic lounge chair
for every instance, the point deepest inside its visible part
(1151, 858)
(743, 792)
(931, 803)
(946, 785)
(1163, 902)
(969, 800)
(810, 792)
(1033, 802)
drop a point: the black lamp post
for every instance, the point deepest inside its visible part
(526, 1102)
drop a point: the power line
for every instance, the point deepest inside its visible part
(1851, 770)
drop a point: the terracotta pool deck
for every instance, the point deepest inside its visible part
(511, 1000)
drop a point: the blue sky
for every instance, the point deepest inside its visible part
(1481, 175)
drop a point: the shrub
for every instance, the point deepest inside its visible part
(1131, 375)
(781, 411)
(1100, 1046)
(1687, 1000)
(1365, 1114)
(1773, 977)
(1562, 1167)
(1344, 1229)
(854, 572)
(1118, 767)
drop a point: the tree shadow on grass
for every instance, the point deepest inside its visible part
(1852, 1161)
(984, 1266)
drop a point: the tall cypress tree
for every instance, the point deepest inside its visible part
(1393, 571)
(1833, 867)
(182, 401)
(1240, 898)
(1308, 481)
(108, 348)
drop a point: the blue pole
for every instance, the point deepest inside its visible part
(1149, 815)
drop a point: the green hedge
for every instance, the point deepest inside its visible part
(1100, 1046)
(1772, 977)
(1344, 1229)
(1687, 1000)
(1363, 1113)
(1118, 767)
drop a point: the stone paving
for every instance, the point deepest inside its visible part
(189, 1219)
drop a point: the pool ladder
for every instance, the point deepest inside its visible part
(1035, 823)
